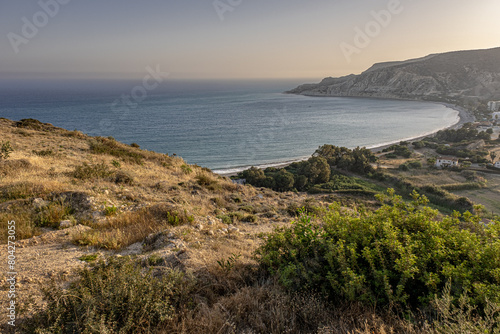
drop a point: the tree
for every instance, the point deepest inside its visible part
(493, 155)
(284, 181)
(301, 182)
(317, 170)
(254, 176)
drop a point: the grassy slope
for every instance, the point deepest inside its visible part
(148, 189)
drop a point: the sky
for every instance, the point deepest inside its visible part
(232, 39)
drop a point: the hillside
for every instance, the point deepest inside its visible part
(446, 76)
(111, 238)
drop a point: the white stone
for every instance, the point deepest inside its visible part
(233, 229)
(39, 203)
(65, 224)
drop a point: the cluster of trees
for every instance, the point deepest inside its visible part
(358, 160)
(474, 156)
(316, 170)
(400, 150)
(466, 133)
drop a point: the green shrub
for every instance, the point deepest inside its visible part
(250, 219)
(123, 178)
(43, 153)
(205, 179)
(400, 254)
(155, 260)
(225, 219)
(110, 210)
(236, 216)
(227, 264)
(87, 171)
(170, 215)
(89, 258)
(113, 297)
(186, 169)
(5, 150)
(21, 190)
(53, 214)
(404, 167)
(109, 146)
(247, 208)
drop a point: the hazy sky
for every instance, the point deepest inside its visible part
(233, 38)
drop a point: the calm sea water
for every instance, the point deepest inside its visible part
(225, 126)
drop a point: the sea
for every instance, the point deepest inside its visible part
(224, 125)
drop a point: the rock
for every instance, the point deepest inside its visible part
(199, 227)
(223, 230)
(210, 232)
(133, 249)
(39, 203)
(97, 215)
(106, 192)
(65, 224)
(233, 229)
(210, 222)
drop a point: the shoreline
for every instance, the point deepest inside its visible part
(464, 117)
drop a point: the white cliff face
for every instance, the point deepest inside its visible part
(447, 75)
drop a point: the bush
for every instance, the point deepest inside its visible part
(109, 146)
(123, 178)
(205, 179)
(225, 219)
(400, 254)
(113, 297)
(97, 171)
(43, 153)
(110, 210)
(5, 150)
(53, 214)
(186, 169)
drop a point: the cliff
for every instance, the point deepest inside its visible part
(452, 75)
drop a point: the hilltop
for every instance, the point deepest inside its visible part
(450, 76)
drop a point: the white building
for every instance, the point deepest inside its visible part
(446, 162)
(497, 164)
(496, 116)
(494, 105)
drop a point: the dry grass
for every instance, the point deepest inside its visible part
(121, 231)
(246, 301)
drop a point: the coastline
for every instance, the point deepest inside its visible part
(464, 117)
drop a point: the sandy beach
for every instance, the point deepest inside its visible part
(463, 115)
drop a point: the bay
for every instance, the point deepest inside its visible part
(226, 125)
